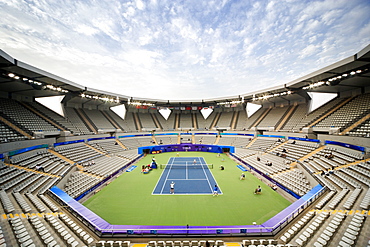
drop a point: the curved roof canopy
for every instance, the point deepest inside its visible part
(351, 73)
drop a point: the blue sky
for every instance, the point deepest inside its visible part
(169, 49)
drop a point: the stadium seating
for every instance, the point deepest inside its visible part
(24, 118)
(335, 219)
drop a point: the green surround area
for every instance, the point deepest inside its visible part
(128, 200)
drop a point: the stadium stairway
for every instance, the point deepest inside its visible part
(312, 153)
(234, 120)
(61, 156)
(155, 140)
(121, 144)
(217, 139)
(137, 121)
(263, 115)
(15, 128)
(355, 124)
(330, 112)
(31, 170)
(156, 121)
(111, 120)
(286, 117)
(97, 150)
(90, 174)
(349, 164)
(30, 108)
(251, 142)
(84, 118)
(215, 120)
(276, 147)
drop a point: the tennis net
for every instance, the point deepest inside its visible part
(184, 166)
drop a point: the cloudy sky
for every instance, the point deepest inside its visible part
(189, 49)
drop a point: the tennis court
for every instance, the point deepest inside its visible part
(191, 175)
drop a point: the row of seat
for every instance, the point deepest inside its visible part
(80, 183)
(299, 225)
(63, 233)
(186, 243)
(44, 234)
(6, 202)
(327, 234)
(36, 202)
(106, 165)
(84, 236)
(2, 239)
(50, 204)
(350, 236)
(22, 202)
(313, 226)
(21, 234)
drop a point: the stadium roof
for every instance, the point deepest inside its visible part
(345, 75)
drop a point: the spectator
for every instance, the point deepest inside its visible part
(258, 190)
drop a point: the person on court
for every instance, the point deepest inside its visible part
(242, 177)
(194, 162)
(215, 190)
(258, 190)
(172, 188)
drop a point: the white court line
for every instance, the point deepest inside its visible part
(186, 170)
(167, 176)
(210, 186)
(158, 181)
(197, 179)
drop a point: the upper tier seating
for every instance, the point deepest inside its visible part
(273, 117)
(186, 121)
(72, 116)
(77, 152)
(133, 143)
(348, 113)
(146, 121)
(23, 118)
(296, 118)
(100, 121)
(64, 122)
(7, 134)
(312, 116)
(225, 120)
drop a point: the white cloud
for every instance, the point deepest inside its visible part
(87, 30)
(183, 49)
(308, 51)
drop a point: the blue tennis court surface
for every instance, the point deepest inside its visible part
(189, 177)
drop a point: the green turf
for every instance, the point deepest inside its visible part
(128, 200)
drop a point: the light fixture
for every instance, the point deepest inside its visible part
(11, 75)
